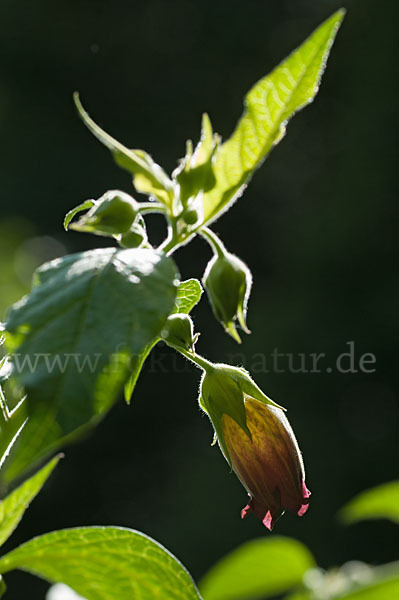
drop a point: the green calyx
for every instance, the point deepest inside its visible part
(195, 172)
(112, 214)
(228, 283)
(223, 391)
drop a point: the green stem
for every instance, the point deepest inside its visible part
(199, 361)
(147, 208)
(217, 245)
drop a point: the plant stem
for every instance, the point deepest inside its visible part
(199, 361)
(147, 208)
(217, 245)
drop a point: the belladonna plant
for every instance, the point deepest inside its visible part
(108, 308)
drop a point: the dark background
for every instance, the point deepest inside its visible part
(316, 226)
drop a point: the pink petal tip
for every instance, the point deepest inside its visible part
(305, 505)
(268, 521)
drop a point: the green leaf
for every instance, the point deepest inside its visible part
(14, 505)
(81, 207)
(73, 336)
(188, 295)
(105, 563)
(3, 587)
(257, 569)
(381, 502)
(148, 177)
(268, 107)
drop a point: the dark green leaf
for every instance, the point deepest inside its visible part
(381, 502)
(105, 563)
(14, 505)
(148, 177)
(257, 569)
(268, 107)
(72, 338)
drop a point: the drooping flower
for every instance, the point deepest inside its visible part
(257, 441)
(268, 464)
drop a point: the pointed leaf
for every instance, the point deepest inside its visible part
(268, 107)
(14, 505)
(148, 177)
(104, 563)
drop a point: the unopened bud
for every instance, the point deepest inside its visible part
(228, 282)
(179, 332)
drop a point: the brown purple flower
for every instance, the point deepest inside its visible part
(257, 441)
(269, 465)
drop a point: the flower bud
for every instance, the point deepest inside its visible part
(228, 282)
(257, 441)
(112, 214)
(191, 216)
(179, 332)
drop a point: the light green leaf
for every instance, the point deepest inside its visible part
(268, 107)
(105, 563)
(74, 211)
(148, 177)
(381, 502)
(14, 505)
(188, 295)
(257, 569)
(73, 336)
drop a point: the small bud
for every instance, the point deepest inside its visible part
(191, 217)
(257, 441)
(112, 214)
(179, 332)
(228, 282)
